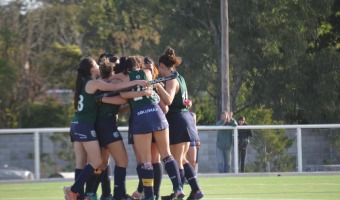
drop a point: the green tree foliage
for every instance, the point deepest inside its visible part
(8, 111)
(334, 140)
(271, 145)
(281, 53)
(276, 38)
(284, 59)
(48, 113)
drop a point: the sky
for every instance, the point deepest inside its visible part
(32, 4)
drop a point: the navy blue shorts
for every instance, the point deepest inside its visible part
(181, 127)
(192, 143)
(130, 136)
(82, 132)
(147, 119)
(107, 131)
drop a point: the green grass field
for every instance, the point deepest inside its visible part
(230, 188)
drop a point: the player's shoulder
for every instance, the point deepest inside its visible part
(147, 73)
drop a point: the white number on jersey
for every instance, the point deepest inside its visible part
(80, 103)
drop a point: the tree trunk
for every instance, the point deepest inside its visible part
(225, 97)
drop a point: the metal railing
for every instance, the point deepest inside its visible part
(37, 131)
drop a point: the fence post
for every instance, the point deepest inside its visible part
(235, 151)
(36, 155)
(299, 149)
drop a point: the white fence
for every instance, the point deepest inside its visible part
(299, 154)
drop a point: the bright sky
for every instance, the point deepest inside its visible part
(32, 4)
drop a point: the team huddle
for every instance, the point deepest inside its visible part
(161, 127)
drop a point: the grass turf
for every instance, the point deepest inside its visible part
(217, 188)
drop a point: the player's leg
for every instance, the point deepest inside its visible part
(190, 175)
(119, 154)
(94, 161)
(170, 164)
(157, 168)
(81, 159)
(143, 147)
(93, 182)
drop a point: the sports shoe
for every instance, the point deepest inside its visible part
(106, 198)
(152, 198)
(196, 195)
(179, 194)
(91, 196)
(128, 197)
(69, 195)
(169, 197)
(137, 195)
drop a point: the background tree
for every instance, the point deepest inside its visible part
(281, 53)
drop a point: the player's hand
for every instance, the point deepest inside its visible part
(147, 91)
(198, 144)
(187, 103)
(142, 83)
(157, 85)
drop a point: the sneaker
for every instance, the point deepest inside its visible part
(169, 197)
(128, 197)
(179, 194)
(137, 195)
(196, 195)
(91, 196)
(106, 198)
(152, 198)
(69, 195)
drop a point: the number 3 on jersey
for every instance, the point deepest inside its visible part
(80, 103)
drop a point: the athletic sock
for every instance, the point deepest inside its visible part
(76, 175)
(147, 176)
(98, 175)
(119, 182)
(106, 182)
(191, 177)
(171, 168)
(85, 174)
(158, 174)
(90, 184)
(140, 183)
(181, 174)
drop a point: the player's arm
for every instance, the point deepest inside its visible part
(117, 100)
(164, 107)
(168, 93)
(134, 94)
(95, 85)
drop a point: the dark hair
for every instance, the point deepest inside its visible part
(111, 57)
(130, 65)
(84, 70)
(169, 58)
(121, 66)
(148, 60)
(107, 63)
(242, 118)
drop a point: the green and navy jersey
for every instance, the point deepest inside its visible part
(177, 104)
(140, 75)
(106, 110)
(87, 107)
